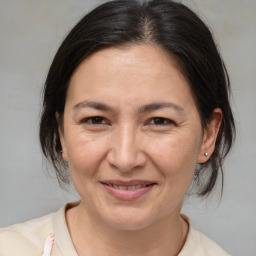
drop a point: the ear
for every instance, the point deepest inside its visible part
(210, 136)
(61, 136)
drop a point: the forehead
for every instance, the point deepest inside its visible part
(137, 72)
(130, 58)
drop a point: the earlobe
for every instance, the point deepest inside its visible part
(210, 136)
(61, 136)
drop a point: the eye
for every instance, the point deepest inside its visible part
(160, 121)
(95, 120)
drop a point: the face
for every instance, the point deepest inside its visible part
(132, 136)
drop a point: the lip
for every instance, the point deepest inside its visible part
(127, 194)
(128, 183)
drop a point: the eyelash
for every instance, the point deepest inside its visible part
(90, 120)
(164, 121)
(98, 120)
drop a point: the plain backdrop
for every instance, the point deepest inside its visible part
(30, 33)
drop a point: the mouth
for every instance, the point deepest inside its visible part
(127, 191)
(138, 186)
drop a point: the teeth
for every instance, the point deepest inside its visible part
(129, 187)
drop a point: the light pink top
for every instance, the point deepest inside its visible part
(34, 238)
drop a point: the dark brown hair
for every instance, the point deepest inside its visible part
(166, 24)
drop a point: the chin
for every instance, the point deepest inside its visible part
(128, 220)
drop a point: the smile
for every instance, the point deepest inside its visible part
(128, 187)
(127, 191)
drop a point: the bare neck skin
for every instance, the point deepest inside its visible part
(91, 236)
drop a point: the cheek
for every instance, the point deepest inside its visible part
(85, 154)
(176, 159)
(84, 157)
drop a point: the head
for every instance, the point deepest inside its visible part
(183, 41)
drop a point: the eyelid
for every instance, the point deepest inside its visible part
(104, 120)
(169, 121)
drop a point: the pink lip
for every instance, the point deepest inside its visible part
(126, 194)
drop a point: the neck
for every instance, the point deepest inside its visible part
(92, 236)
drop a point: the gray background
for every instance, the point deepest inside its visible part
(31, 32)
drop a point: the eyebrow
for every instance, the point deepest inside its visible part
(143, 109)
(92, 104)
(160, 105)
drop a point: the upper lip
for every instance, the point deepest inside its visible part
(128, 183)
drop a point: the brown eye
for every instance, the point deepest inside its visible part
(160, 121)
(95, 120)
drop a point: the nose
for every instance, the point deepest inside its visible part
(126, 149)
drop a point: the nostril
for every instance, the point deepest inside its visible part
(125, 160)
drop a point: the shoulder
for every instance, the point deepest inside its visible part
(198, 244)
(25, 238)
(207, 245)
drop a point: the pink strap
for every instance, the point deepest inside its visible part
(49, 242)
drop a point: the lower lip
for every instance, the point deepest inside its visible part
(126, 194)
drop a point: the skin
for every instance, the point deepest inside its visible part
(128, 142)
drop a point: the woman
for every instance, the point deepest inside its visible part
(135, 109)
